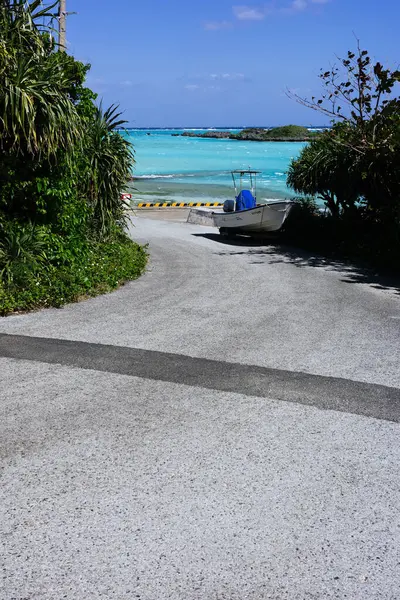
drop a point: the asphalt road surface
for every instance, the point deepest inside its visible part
(224, 428)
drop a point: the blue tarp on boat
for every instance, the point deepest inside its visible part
(245, 200)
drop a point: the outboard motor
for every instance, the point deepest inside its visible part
(229, 206)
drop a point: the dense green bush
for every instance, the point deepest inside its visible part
(62, 273)
(289, 131)
(323, 170)
(63, 166)
(286, 132)
(354, 167)
(351, 236)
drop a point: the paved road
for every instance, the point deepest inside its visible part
(224, 428)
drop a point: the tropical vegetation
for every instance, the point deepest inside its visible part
(284, 133)
(354, 167)
(63, 165)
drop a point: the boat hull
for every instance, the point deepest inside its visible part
(264, 218)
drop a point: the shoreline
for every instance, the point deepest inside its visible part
(160, 190)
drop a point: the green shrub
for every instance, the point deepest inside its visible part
(289, 131)
(286, 132)
(353, 236)
(353, 167)
(63, 166)
(22, 249)
(100, 267)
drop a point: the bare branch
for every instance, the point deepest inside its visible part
(313, 105)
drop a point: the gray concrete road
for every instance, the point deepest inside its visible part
(246, 304)
(224, 428)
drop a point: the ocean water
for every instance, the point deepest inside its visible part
(195, 169)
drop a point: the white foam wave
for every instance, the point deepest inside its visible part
(170, 176)
(154, 176)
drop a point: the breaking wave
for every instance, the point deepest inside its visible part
(154, 176)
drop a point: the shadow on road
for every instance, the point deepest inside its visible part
(273, 252)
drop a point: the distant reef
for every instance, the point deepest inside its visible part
(286, 133)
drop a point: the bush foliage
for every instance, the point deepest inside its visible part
(289, 131)
(283, 133)
(32, 281)
(63, 165)
(353, 167)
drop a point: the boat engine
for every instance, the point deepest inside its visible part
(229, 206)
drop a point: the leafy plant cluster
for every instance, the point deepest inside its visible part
(285, 132)
(40, 269)
(63, 165)
(354, 166)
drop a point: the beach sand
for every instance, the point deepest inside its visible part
(174, 215)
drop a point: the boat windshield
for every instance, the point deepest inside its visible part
(242, 180)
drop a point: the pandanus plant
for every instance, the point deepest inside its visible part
(37, 117)
(43, 117)
(110, 157)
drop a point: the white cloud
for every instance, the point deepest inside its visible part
(258, 13)
(299, 5)
(213, 82)
(248, 13)
(228, 76)
(203, 78)
(217, 25)
(234, 76)
(302, 5)
(127, 83)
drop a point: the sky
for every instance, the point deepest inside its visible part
(211, 63)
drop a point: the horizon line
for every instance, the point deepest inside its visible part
(221, 127)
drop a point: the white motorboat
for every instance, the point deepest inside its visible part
(245, 215)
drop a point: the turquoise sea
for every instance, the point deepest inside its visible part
(195, 169)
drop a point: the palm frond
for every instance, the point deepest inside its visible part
(111, 158)
(36, 113)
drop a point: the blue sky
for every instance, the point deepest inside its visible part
(217, 62)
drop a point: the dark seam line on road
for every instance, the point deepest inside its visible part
(329, 393)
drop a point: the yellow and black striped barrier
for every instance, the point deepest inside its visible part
(176, 204)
